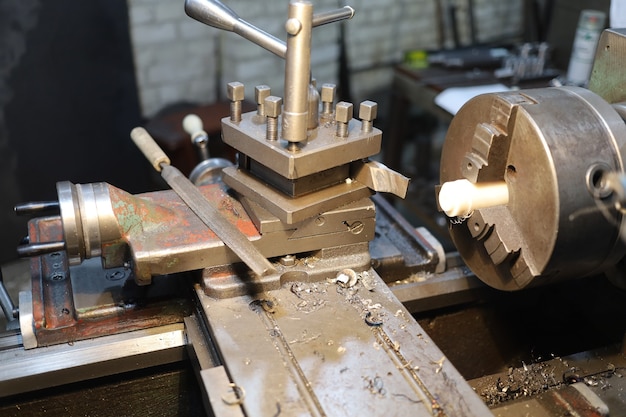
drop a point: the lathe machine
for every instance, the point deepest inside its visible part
(289, 288)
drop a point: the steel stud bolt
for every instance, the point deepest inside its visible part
(328, 97)
(343, 115)
(367, 113)
(261, 92)
(273, 108)
(235, 93)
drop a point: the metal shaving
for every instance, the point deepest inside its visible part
(526, 381)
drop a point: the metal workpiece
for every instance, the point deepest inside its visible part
(343, 115)
(273, 107)
(235, 91)
(297, 71)
(553, 149)
(376, 353)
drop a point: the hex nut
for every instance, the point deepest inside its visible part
(368, 110)
(235, 91)
(273, 106)
(343, 112)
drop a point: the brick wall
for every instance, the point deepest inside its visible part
(179, 59)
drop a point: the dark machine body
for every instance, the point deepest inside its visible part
(286, 287)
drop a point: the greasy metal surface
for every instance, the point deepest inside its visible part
(229, 281)
(30, 370)
(340, 219)
(585, 384)
(322, 151)
(607, 78)
(322, 349)
(66, 308)
(99, 292)
(399, 250)
(232, 237)
(221, 395)
(551, 147)
(164, 236)
(293, 210)
(53, 305)
(425, 291)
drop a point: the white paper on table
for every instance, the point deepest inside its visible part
(453, 98)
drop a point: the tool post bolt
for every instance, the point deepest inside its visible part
(235, 92)
(261, 92)
(328, 97)
(343, 115)
(367, 113)
(273, 106)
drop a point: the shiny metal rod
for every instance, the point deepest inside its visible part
(332, 16)
(8, 308)
(39, 248)
(297, 71)
(36, 207)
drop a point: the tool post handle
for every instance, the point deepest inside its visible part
(147, 145)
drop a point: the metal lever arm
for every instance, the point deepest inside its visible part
(215, 13)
